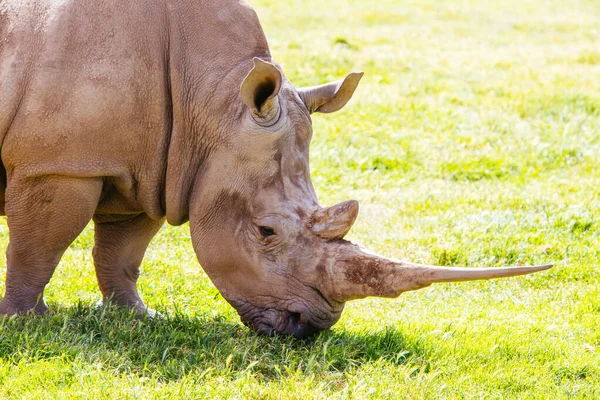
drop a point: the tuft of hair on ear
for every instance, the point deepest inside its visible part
(263, 91)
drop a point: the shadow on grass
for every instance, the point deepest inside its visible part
(198, 347)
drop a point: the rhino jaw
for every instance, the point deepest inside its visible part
(300, 323)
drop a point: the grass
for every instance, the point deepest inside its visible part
(473, 140)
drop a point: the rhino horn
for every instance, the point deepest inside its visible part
(357, 273)
(334, 222)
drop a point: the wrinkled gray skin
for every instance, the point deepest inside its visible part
(131, 113)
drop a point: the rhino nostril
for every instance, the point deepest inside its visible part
(298, 327)
(295, 318)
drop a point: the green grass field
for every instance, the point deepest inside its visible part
(472, 140)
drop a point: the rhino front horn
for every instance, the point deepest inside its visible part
(334, 222)
(356, 274)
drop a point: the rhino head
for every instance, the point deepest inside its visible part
(276, 255)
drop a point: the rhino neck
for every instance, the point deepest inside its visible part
(211, 46)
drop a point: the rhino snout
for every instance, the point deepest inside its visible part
(297, 325)
(270, 322)
(287, 324)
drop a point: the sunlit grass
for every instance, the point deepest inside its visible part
(472, 140)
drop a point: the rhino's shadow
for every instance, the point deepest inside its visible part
(178, 345)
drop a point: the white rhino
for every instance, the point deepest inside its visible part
(131, 113)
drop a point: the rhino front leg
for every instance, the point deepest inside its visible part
(118, 252)
(45, 214)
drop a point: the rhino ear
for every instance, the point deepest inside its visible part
(330, 97)
(259, 92)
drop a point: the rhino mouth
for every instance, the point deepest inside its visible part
(271, 321)
(288, 324)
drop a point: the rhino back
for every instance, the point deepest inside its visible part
(101, 88)
(87, 92)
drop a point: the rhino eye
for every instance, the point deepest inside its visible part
(266, 231)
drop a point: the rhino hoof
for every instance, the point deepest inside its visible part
(10, 308)
(142, 310)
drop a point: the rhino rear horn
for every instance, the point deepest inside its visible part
(259, 92)
(334, 222)
(330, 97)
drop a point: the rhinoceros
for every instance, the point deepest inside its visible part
(133, 113)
